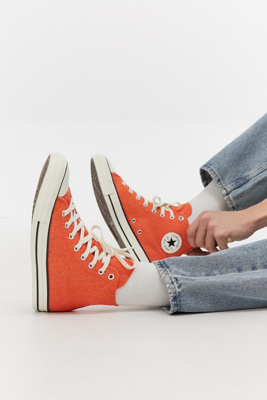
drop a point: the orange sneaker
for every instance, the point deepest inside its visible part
(154, 230)
(71, 267)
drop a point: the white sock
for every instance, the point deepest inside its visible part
(209, 199)
(145, 287)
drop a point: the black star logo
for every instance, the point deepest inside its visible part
(171, 242)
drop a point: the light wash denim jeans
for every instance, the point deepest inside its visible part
(235, 278)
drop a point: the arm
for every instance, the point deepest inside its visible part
(218, 228)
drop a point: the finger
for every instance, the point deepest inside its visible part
(191, 233)
(222, 244)
(210, 243)
(201, 236)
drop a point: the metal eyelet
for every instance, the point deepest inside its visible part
(123, 183)
(145, 205)
(172, 217)
(111, 277)
(181, 218)
(63, 213)
(76, 248)
(130, 191)
(139, 231)
(100, 272)
(83, 257)
(71, 237)
(91, 266)
(138, 198)
(154, 211)
(66, 225)
(133, 220)
(162, 215)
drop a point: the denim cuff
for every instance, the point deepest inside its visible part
(171, 287)
(207, 174)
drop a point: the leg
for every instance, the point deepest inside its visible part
(73, 267)
(228, 280)
(144, 288)
(240, 169)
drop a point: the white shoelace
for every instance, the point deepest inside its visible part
(108, 250)
(156, 203)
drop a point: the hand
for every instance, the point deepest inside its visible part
(214, 229)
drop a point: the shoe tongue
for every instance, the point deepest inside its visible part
(185, 209)
(94, 241)
(115, 263)
(67, 196)
(129, 261)
(97, 244)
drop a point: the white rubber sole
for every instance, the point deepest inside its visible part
(111, 208)
(53, 182)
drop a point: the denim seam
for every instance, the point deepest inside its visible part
(215, 176)
(238, 183)
(167, 279)
(247, 178)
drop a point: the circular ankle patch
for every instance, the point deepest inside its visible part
(171, 242)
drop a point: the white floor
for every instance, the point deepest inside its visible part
(116, 352)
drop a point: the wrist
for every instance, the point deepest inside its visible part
(257, 216)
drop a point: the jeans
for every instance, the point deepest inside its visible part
(235, 278)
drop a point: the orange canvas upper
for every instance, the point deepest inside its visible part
(153, 227)
(71, 283)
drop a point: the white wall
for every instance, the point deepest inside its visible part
(84, 60)
(158, 87)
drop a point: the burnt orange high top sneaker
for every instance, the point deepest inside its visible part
(71, 267)
(154, 230)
